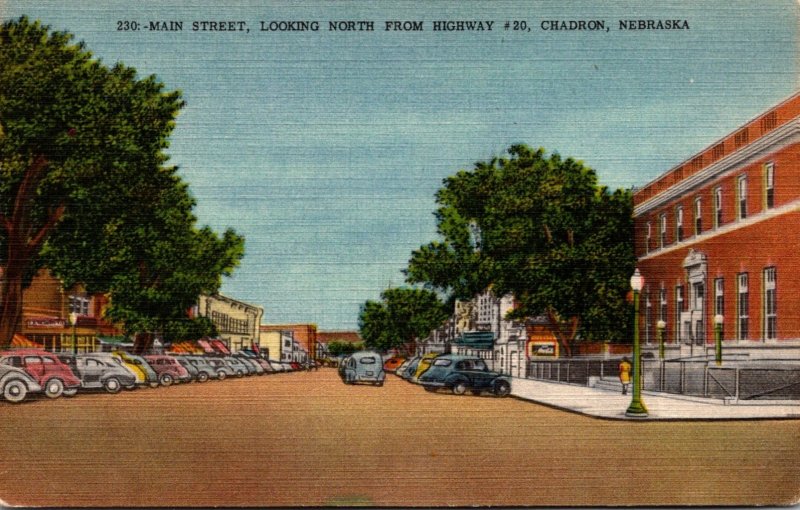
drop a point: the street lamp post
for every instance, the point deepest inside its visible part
(73, 319)
(718, 319)
(661, 325)
(637, 408)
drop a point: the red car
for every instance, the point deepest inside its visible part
(50, 372)
(168, 369)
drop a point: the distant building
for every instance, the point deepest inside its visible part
(304, 334)
(237, 322)
(715, 236)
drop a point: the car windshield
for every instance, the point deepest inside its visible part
(368, 361)
(442, 363)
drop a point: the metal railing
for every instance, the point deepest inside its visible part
(737, 380)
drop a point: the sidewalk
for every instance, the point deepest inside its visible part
(601, 403)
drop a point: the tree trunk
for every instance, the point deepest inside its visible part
(142, 342)
(23, 241)
(10, 306)
(564, 331)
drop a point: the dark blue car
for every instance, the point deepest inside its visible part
(462, 373)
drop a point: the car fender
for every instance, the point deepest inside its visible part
(30, 384)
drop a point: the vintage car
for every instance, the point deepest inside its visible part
(462, 373)
(392, 364)
(221, 369)
(99, 372)
(205, 370)
(238, 367)
(15, 384)
(138, 363)
(410, 369)
(168, 369)
(46, 369)
(252, 365)
(340, 366)
(276, 366)
(185, 363)
(364, 366)
(423, 365)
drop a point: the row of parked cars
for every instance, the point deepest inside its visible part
(456, 373)
(32, 371)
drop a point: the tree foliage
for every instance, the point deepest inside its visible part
(400, 318)
(337, 347)
(543, 229)
(84, 185)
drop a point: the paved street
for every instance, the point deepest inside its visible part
(307, 439)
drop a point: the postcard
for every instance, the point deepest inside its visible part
(399, 254)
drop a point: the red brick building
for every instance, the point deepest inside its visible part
(718, 235)
(46, 311)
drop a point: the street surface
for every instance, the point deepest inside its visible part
(307, 439)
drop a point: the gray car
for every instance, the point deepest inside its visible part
(364, 366)
(99, 372)
(185, 363)
(221, 369)
(204, 370)
(15, 384)
(240, 369)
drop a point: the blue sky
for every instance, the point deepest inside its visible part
(325, 149)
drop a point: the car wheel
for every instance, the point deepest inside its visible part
(54, 388)
(239, 374)
(70, 392)
(502, 388)
(166, 380)
(459, 388)
(112, 385)
(153, 384)
(15, 391)
(221, 375)
(202, 377)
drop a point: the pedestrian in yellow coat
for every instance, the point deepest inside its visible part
(625, 374)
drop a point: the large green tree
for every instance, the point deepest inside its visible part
(400, 318)
(543, 229)
(84, 188)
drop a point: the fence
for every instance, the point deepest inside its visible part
(740, 380)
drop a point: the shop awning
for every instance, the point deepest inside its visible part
(21, 341)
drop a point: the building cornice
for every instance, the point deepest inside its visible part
(775, 140)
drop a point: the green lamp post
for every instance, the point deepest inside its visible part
(718, 320)
(661, 326)
(637, 408)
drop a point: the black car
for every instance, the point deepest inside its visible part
(462, 373)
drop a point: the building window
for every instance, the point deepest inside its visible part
(770, 304)
(719, 296)
(678, 310)
(649, 236)
(79, 305)
(717, 207)
(679, 224)
(743, 308)
(698, 216)
(663, 231)
(742, 197)
(769, 185)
